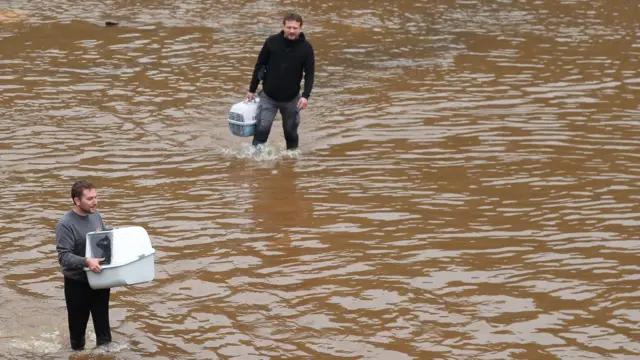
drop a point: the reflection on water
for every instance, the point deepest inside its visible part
(466, 188)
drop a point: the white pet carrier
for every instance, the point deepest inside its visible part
(242, 118)
(129, 257)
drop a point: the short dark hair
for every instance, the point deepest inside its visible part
(292, 17)
(79, 187)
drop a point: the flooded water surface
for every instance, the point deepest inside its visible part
(467, 185)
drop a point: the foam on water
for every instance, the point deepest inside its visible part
(53, 343)
(8, 16)
(45, 343)
(262, 153)
(112, 347)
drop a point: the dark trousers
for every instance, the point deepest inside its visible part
(82, 300)
(267, 109)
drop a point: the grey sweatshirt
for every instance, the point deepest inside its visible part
(71, 233)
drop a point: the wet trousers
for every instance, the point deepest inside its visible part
(81, 301)
(267, 110)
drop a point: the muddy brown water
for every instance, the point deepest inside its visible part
(467, 185)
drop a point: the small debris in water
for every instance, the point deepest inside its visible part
(110, 23)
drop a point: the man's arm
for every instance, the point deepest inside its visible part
(65, 244)
(261, 63)
(309, 73)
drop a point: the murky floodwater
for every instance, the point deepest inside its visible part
(467, 188)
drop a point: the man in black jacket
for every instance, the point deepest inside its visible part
(282, 61)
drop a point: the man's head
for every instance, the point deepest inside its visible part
(85, 199)
(292, 26)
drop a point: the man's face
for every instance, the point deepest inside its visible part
(89, 201)
(291, 29)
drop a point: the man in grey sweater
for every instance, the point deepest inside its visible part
(81, 299)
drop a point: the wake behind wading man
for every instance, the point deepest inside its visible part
(282, 61)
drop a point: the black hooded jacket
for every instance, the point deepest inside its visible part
(280, 65)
